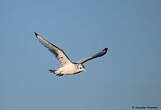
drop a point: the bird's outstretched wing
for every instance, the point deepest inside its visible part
(60, 54)
(99, 54)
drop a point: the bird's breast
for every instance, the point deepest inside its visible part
(68, 69)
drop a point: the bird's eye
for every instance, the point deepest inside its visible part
(80, 67)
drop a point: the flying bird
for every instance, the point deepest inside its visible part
(66, 65)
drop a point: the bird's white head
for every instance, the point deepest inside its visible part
(81, 68)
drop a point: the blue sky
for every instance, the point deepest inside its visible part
(129, 75)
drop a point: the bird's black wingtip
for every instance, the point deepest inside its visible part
(36, 34)
(105, 49)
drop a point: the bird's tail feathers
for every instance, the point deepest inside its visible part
(52, 71)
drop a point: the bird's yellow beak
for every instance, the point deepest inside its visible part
(84, 70)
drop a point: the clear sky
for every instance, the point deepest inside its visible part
(129, 75)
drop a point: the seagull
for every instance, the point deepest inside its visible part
(67, 67)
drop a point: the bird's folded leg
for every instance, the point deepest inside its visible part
(59, 74)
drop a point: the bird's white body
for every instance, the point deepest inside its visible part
(67, 69)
